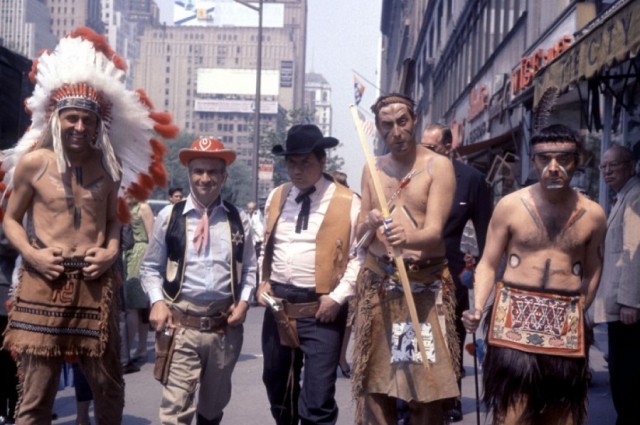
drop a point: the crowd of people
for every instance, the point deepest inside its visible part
(387, 264)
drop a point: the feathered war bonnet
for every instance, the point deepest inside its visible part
(84, 72)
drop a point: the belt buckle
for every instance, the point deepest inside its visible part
(205, 323)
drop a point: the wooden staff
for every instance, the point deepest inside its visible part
(397, 255)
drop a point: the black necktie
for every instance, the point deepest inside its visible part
(303, 216)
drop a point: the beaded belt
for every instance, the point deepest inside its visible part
(72, 266)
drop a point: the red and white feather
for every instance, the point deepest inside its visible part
(132, 124)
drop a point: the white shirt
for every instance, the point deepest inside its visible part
(294, 254)
(207, 276)
(257, 224)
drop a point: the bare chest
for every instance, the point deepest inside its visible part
(564, 229)
(80, 190)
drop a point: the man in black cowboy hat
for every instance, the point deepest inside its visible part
(306, 269)
(199, 272)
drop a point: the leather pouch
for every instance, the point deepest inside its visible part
(165, 342)
(287, 330)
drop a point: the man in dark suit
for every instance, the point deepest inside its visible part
(472, 202)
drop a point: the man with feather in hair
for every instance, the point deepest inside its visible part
(90, 141)
(536, 369)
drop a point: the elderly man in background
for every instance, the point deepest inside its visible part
(471, 203)
(618, 299)
(175, 195)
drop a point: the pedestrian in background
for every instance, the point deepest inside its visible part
(135, 299)
(618, 300)
(175, 195)
(257, 225)
(472, 202)
(8, 370)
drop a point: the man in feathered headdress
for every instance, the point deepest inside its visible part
(89, 137)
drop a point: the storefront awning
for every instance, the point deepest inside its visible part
(613, 40)
(485, 144)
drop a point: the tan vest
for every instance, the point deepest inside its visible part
(332, 241)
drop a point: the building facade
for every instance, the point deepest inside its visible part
(203, 70)
(318, 100)
(25, 27)
(124, 23)
(473, 65)
(67, 15)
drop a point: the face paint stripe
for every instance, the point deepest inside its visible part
(575, 218)
(533, 215)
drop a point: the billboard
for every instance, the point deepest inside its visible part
(237, 81)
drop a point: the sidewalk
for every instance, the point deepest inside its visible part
(249, 405)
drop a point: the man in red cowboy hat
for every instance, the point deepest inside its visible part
(309, 232)
(199, 272)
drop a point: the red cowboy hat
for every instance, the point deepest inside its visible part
(207, 147)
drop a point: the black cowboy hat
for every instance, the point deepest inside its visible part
(303, 139)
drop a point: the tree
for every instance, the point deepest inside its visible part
(278, 135)
(237, 188)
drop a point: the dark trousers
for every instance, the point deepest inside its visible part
(313, 402)
(8, 378)
(82, 387)
(624, 370)
(462, 304)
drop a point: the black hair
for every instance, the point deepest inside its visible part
(388, 99)
(556, 133)
(173, 190)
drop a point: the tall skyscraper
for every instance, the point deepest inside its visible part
(318, 99)
(203, 69)
(25, 27)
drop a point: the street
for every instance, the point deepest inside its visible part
(249, 404)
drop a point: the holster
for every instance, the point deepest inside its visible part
(286, 317)
(287, 329)
(165, 344)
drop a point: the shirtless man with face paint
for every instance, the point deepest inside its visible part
(418, 185)
(536, 368)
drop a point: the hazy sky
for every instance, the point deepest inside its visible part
(344, 35)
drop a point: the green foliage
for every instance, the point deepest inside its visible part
(176, 172)
(334, 161)
(237, 189)
(238, 186)
(278, 135)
